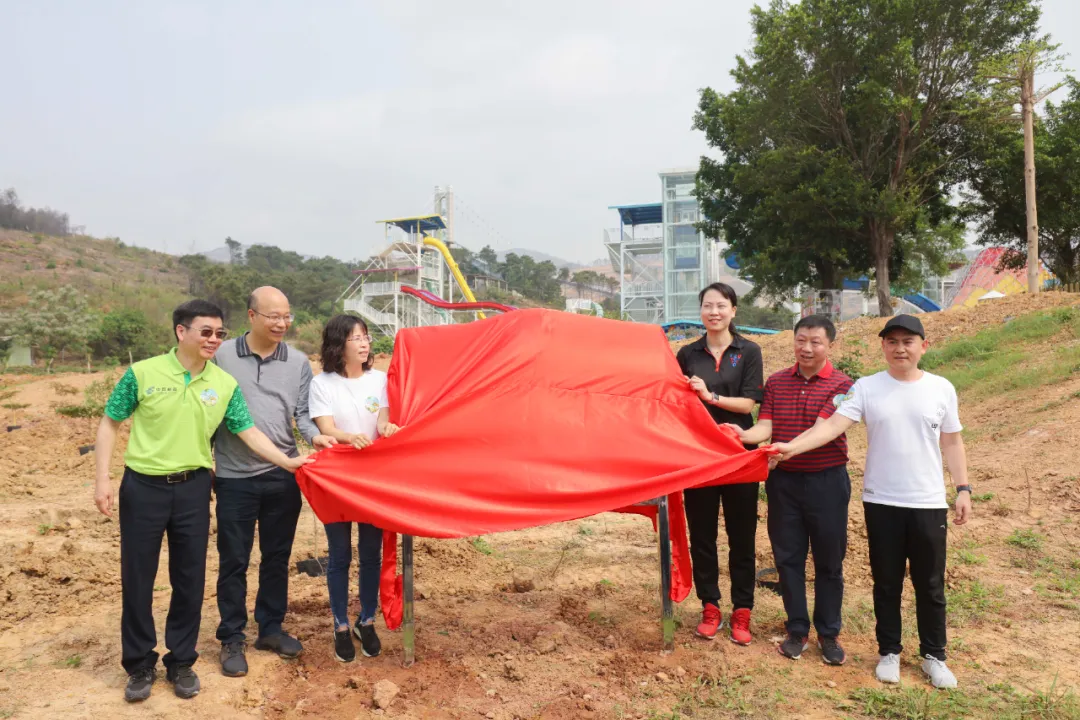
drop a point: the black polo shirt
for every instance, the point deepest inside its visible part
(738, 373)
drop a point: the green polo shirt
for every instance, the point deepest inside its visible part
(174, 415)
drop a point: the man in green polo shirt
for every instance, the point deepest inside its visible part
(176, 402)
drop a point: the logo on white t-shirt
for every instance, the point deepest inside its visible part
(372, 404)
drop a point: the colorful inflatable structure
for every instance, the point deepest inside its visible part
(983, 278)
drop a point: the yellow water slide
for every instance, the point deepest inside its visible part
(452, 264)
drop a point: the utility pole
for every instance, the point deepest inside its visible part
(1027, 107)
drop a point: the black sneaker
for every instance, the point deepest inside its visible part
(831, 652)
(139, 684)
(793, 646)
(283, 644)
(369, 641)
(185, 681)
(343, 647)
(233, 662)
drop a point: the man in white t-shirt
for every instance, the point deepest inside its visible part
(911, 421)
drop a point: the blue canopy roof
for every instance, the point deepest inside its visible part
(647, 214)
(421, 223)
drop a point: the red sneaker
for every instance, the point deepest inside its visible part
(740, 627)
(710, 622)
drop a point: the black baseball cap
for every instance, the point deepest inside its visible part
(904, 322)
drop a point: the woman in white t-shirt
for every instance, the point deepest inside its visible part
(348, 402)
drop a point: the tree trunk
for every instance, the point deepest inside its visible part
(1027, 102)
(881, 242)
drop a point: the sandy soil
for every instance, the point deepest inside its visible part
(585, 642)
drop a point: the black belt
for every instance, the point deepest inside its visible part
(176, 477)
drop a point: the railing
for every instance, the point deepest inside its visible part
(381, 288)
(366, 311)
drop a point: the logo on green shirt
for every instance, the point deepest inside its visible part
(209, 397)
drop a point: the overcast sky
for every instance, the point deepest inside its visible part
(173, 124)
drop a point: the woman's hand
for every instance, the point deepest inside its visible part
(388, 429)
(698, 386)
(359, 440)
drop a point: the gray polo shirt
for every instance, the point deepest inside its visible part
(276, 390)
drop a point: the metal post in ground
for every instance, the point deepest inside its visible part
(667, 617)
(407, 625)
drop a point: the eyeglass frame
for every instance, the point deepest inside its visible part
(359, 338)
(206, 332)
(275, 318)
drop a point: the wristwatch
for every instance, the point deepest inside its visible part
(963, 488)
(715, 398)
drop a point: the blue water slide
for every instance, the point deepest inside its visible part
(922, 302)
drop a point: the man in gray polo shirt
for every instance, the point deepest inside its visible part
(274, 379)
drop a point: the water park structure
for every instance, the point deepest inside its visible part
(412, 281)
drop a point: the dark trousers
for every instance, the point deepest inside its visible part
(898, 536)
(703, 505)
(369, 549)
(809, 510)
(149, 508)
(272, 500)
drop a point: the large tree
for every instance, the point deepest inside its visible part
(995, 165)
(841, 138)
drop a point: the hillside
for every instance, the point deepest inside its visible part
(111, 274)
(583, 643)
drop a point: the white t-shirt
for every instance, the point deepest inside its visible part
(904, 422)
(354, 403)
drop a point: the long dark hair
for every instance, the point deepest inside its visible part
(729, 294)
(334, 335)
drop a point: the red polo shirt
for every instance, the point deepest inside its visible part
(794, 403)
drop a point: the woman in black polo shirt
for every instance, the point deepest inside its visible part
(725, 370)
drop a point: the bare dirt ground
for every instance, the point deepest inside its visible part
(585, 642)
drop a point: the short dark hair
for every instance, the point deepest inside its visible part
(817, 321)
(334, 335)
(184, 314)
(252, 302)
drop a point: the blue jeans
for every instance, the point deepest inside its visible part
(369, 548)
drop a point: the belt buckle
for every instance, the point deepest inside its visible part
(179, 477)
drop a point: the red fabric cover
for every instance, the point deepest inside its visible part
(529, 418)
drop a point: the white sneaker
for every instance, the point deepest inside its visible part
(888, 668)
(940, 674)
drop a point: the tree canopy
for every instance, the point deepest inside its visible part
(995, 174)
(841, 139)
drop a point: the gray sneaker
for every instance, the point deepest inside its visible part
(888, 668)
(940, 675)
(139, 684)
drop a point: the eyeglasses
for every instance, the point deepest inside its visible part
(207, 332)
(276, 318)
(359, 338)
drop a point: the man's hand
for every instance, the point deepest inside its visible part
(321, 442)
(774, 460)
(359, 440)
(296, 463)
(103, 496)
(389, 429)
(963, 508)
(784, 450)
(698, 386)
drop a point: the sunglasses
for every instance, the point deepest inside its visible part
(206, 332)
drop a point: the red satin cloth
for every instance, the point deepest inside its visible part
(529, 418)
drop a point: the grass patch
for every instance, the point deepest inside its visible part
(1026, 539)
(968, 603)
(73, 661)
(966, 555)
(912, 704)
(481, 546)
(996, 360)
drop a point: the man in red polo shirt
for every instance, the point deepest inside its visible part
(809, 494)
